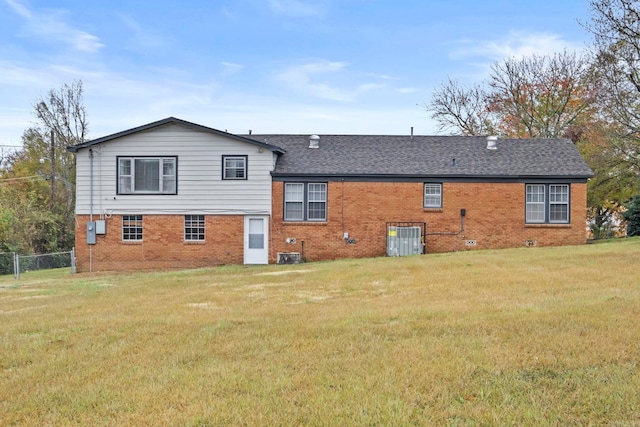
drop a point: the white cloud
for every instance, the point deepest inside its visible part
(294, 8)
(300, 78)
(142, 38)
(50, 26)
(231, 68)
(516, 44)
(313, 79)
(366, 87)
(407, 90)
(19, 9)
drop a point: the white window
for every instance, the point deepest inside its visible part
(559, 203)
(234, 167)
(433, 195)
(305, 201)
(317, 202)
(535, 203)
(294, 202)
(132, 227)
(194, 227)
(147, 175)
(547, 203)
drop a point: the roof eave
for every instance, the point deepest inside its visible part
(414, 177)
(172, 120)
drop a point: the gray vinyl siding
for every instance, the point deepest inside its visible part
(200, 187)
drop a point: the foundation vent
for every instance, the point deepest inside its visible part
(288, 257)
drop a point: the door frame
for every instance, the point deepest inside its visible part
(256, 256)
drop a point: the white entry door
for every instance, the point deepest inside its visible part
(256, 233)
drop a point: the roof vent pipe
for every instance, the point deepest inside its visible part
(412, 133)
(314, 141)
(491, 142)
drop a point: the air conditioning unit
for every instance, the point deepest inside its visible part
(288, 257)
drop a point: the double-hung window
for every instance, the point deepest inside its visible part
(147, 175)
(132, 228)
(234, 167)
(193, 228)
(432, 195)
(305, 201)
(547, 204)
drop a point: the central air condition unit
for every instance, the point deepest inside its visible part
(404, 241)
(288, 257)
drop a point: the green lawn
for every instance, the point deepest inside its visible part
(531, 336)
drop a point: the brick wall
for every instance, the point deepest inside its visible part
(163, 244)
(494, 218)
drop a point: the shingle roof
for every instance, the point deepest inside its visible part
(426, 156)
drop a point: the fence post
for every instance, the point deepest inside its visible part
(73, 260)
(16, 266)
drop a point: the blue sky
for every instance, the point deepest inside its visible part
(272, 66)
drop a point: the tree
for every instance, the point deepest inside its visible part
(62, 122)
(37, 196)
(537, 96)
(613, 182)
(632, 216)
(615, 26)
(462, 110)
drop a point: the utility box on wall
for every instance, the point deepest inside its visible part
(91, 233)
(101, 226)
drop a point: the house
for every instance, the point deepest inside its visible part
(174, 194)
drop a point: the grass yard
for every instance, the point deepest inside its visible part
(531, 336)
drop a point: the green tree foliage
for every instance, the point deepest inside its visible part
(632, 216)
(37, 185)
(614, 154)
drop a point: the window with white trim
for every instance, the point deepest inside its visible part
(559, 203)
(193, 228)
(234, 167)
(305, 201)
(147, 175)
(547, 204)
(432, 195)
(132, 228)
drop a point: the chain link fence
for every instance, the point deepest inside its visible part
(13, 263)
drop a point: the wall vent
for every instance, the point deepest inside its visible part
(288, 257)
(471, 243)
(531, 243)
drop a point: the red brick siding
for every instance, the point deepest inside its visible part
(163, 244)
(494, 218)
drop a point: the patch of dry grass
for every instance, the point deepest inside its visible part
(536, 336)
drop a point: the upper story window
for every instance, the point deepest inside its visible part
(147, 175)
(432, 195)
(547, 203)
(234, 167)
(305, 201)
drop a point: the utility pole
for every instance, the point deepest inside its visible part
(53, 169)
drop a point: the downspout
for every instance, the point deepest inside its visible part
(90, 202)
